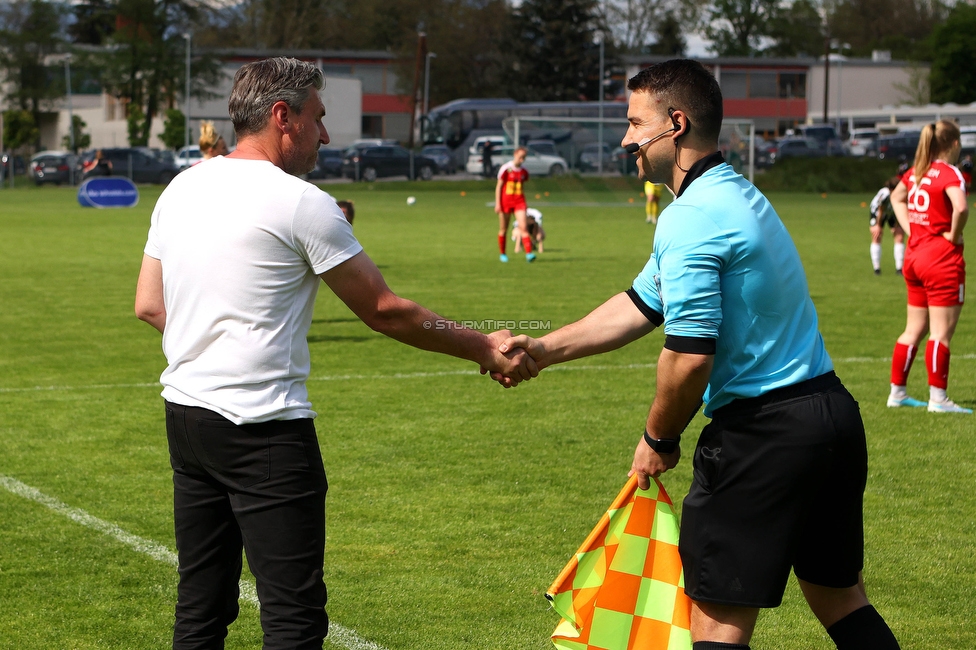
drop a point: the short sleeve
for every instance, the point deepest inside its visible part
(647, 286)
(690, 262)
(878, 199)
(322, 234)
(152, 248)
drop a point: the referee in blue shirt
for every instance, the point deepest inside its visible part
(779, 472)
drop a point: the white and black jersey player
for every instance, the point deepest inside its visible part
(881, 216)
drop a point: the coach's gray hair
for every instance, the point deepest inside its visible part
(259, 85)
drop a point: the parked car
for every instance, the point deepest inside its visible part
(441, 154)
(535, 163)
(826, 135)
(473, 164)
(188, 156)
(54, 167)
(793, 147)
(138, 166)
(625, 163)
(595, 156)
(372, 142)
(544, 147)
(894, 147)
(862, 142)
(328, 163)
(765, 153)
(167, 156)
(374, 162)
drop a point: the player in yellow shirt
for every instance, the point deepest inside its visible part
(653, 193)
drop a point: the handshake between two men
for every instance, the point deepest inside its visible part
(681, 378)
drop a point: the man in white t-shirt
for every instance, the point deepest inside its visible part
(234, 257)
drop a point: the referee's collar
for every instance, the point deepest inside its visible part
(699, 168)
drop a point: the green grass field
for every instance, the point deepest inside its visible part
(453, 503)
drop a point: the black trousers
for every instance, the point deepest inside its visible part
(259, 488)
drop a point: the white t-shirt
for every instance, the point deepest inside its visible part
(241, 244)
(535, 214)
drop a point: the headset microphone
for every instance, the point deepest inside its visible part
(634, 147)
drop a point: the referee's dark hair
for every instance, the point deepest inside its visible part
(685, 85)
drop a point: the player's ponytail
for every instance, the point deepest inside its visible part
(923, 153)
(936, 140)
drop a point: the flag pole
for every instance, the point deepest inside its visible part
(600, 529)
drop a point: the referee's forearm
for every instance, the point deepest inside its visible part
(681, 382)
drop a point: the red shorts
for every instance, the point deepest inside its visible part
(935, 273)
(513, 203)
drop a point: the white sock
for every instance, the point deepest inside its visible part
(899, 256)
(898, 391)
(876, 256)
(937, 394)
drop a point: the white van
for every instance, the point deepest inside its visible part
(474, 164)
(861, 142)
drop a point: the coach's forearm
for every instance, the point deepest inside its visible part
(417, 326)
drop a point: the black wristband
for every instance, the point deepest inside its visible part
(662, 445)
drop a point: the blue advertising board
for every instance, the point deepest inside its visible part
(108, 192)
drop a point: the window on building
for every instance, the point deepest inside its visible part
(337, 70)
(372, 77)
(762, 85)
(735, 85)
(372, 126)
(792, 85)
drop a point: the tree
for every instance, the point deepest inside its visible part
(473, 66)
(82, 139)
(136, 123)
(174, 129)
(953, 77)
(901, 26)
(94, 22)
(796, 30)
(736, 27)
(668, 37)
(31, 33)
(634, 22)
(553, 55)
(19, 129)
(145, 67)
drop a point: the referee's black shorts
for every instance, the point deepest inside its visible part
(778, 484)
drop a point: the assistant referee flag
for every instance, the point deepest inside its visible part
(624, 589)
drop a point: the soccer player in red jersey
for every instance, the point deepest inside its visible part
(930, 204)
(509, 199)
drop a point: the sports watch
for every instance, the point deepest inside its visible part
(662, 445)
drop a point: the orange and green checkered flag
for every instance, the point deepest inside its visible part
(624, 589)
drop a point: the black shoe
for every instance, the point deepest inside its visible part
(877, 271)
(897, 271)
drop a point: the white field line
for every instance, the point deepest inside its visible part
(421, 375)
(337, 634)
